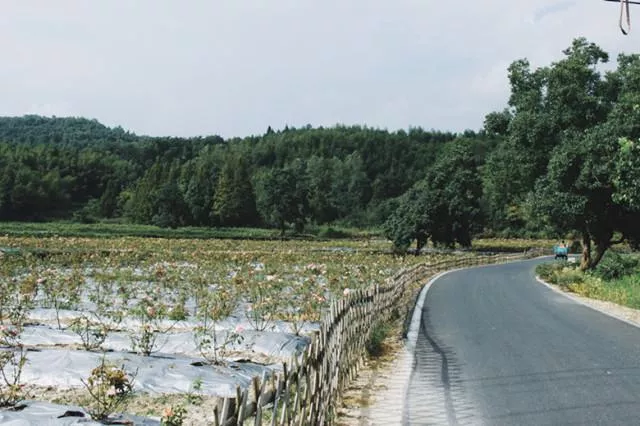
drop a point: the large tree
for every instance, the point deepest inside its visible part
(545, 105)
(588, 185)
(283, 197)
(234, 203)
(444, 206)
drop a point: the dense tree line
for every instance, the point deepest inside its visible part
(568, 161)
(76, 168)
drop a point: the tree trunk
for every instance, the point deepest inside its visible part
(421, 241)
(601, 248)
(602, 243)
(585, 263)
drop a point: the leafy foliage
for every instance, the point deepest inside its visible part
(444, 206)
(570, 128)
(72, 168)
(615, 265)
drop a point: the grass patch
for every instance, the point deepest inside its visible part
(114, 230)
(511, 245)
(616, 279)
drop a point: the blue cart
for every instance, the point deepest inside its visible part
(560, 252)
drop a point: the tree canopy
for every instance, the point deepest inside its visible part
(570, 143)
(444, 206)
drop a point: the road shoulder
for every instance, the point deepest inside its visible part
(623, 313)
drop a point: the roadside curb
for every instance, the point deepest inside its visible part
(575, 299)
(416, 316)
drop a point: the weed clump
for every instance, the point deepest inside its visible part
(374, 344)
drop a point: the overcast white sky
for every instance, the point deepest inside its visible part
(234, 67)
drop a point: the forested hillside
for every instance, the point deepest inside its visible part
(54, 168)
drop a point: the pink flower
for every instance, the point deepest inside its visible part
(167, 412)
(8, 331)
(239, 329)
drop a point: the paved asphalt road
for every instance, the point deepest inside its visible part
(497, 348)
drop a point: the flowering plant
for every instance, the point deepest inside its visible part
(173, 416)
(16, 297)
(92, 332)
(109, 388)
(150, 313)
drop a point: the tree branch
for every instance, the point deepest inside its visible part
(618, 241)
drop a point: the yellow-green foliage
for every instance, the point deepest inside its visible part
(623, 291)
(512, 244)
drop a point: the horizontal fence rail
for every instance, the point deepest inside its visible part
(307, 391)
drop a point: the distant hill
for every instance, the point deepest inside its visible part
(74, 131)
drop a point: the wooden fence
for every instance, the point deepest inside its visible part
(307, 391)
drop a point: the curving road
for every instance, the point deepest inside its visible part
(497, 348)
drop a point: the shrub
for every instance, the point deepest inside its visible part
(13, 357)
(546, 271)
(92, 332)
(615, 265)
(178, 312)
(561, 274)
(569, 276)
(551, 271)
(149, 313)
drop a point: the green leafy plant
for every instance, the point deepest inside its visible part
(13, 357)
(178, 312)
(92, 332)
(215, 306)
(61, 291)
(615, 265)
(305, 301)
(17, 299)
(374, 343)
(262, 302)
(193, 396)
(149, 312)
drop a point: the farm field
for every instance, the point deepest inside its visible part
(115, 229)
(187, 321)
